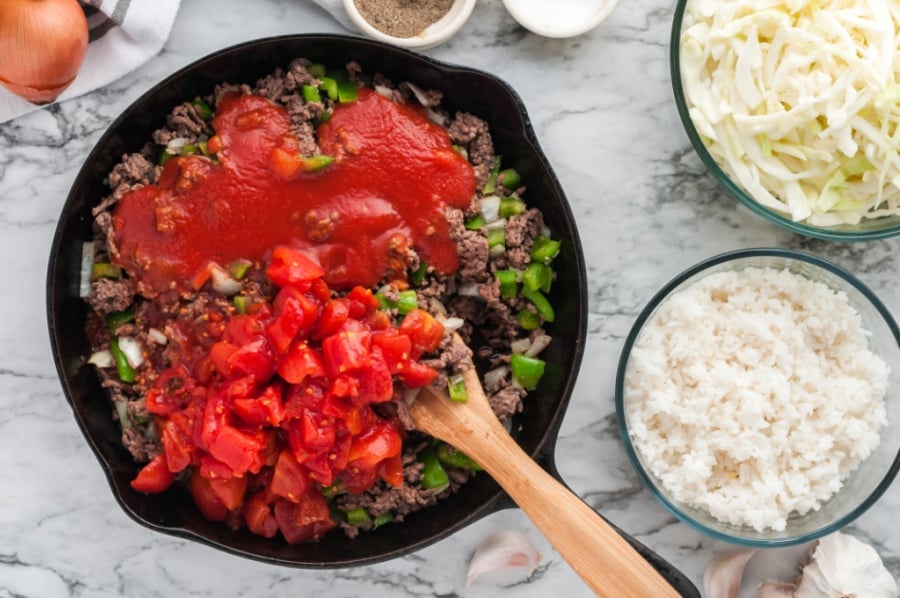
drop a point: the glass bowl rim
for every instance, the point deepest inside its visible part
(735, 190)
(637, 327)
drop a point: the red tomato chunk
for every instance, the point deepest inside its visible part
(268, 408)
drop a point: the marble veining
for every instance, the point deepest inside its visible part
(602, 108)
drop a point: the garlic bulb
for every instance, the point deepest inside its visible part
(509, 556)
(723, 575)
(841, 566)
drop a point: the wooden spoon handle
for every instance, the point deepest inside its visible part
(603, 559)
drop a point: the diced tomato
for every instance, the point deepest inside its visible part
(334, 314)
(365, 297)
(212, 469)
(254, 359)
(229, 491)
(310, 518)
(242, 329)
(301, 361)
(317, 430)
(353, 420)
(267, 408)
(285, 164)
(344, 385)
(416, 375)
(239, 450)
(378, 320)
(358, 480)
(219, 353)
(391, 470)
(381, 442)
(337, 406)
(321, 468)
(215, 417)
(340, 451)
(207, 501)
(423, 330)
(375, 382)
(345, 351)
(319, 291)
(290, 480)
(291, 318)
(176, 441)
(395, 348)
(154, 477)
(215, 145)
(259, 517)
(289, 266)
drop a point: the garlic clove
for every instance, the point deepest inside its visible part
(842, 565)
(508, 557)
(776, 589)
(722, 578)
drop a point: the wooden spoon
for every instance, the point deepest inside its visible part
(603, 559)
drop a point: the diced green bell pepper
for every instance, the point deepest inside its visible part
(451, 457)
(527, 371)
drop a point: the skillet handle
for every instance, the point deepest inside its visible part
(675, 577)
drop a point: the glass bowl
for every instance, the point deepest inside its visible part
(873, 476)
(866, 230)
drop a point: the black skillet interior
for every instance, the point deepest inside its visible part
(535, 429)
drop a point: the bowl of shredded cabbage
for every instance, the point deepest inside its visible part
(794, 106)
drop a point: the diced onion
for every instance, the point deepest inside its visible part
(495, 377)
(469, 290)
(435, 117)
(420, 95)
(102, 359)
(537, 345)
(451, 324)
(224, 283)
(497, 250)
(520, 345)
(122, 413)
(501, 223)
(175, 145)
(87, 267)
(132, 351)
(384, 91)
(157, 336)
(490, 208)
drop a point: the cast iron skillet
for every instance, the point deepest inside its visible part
(535, 428)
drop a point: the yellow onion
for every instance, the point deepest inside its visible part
(42, 46)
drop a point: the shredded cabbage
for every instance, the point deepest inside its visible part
(799, 102)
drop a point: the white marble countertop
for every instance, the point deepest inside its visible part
(602, 106)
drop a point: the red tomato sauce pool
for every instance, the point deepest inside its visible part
(394, 174)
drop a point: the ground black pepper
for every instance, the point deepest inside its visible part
(402, 18)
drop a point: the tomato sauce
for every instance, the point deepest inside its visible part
(394, 174)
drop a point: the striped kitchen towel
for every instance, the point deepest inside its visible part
(124, 34)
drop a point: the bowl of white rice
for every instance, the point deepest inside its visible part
(757, 397)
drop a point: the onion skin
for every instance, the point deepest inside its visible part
(43, 43)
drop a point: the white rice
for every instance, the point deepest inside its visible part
(753, 395)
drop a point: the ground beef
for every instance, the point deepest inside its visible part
(272, 86)
(186, 121)
(135, 170)
(507, 401)
(141, 447)
(472, 133)
(473, 250)
(224, 89)
(108, 295)
(521, 231)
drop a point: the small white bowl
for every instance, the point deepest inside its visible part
(433, 35)
(561, 24)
